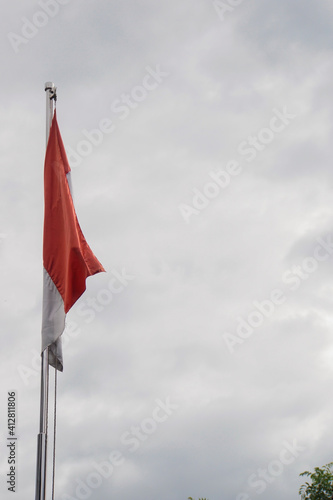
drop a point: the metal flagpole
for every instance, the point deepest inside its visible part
(50, 90)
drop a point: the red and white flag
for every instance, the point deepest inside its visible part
(67, 257)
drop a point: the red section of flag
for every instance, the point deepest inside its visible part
(67, 256)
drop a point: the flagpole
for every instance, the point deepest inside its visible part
(50, 90)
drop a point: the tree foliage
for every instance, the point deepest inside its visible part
(321, 486)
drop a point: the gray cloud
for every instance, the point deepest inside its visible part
(163, 335)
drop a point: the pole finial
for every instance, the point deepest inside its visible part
(49, 86)
(52, 90)
(51, 99)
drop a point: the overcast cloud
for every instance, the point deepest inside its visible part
(199, 135)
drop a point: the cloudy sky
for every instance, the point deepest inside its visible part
(199, 133)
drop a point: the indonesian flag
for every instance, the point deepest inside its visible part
(67, 257)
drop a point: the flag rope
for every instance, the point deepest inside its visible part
(54, 419)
